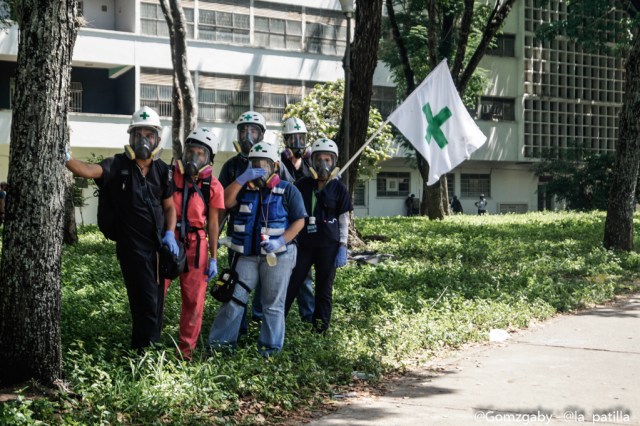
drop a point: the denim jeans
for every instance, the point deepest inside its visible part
(306, 302)
(274, 280)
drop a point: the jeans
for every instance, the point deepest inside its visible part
(306, 302)
(274, 280)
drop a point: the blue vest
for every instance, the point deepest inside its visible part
(255, 217)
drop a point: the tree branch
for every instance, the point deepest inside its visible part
(409, 76)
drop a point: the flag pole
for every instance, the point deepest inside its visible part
(358, 152)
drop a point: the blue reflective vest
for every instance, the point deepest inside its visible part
(255, 217)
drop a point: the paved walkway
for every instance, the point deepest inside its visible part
(573, 369)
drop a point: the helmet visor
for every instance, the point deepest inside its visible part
(196, 154)
(263, 163)
(323, 163)
(249, 133)
(143, 140)
(295, 140)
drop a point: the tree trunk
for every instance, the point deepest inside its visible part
(32, 240)
(364, 59)
(185, 107)
(618, 229)
(70, 231)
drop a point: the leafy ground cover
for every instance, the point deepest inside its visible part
(447, 284)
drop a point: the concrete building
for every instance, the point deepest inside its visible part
(547, 96)
(263, 55)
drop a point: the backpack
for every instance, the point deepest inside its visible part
(107, 206)
(109, 194)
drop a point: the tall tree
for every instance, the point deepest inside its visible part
(595, 26)
(425, 32)
(185, 107)
(32, 239)
(364, 60)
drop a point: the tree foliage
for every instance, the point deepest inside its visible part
(425, 32)
(321, 110)
(612, 27)
(582, 180)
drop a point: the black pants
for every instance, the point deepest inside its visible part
(146, 296)
(323, 259)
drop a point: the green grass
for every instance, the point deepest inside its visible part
(447, 284)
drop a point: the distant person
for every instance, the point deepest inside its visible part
(456, 205)
(408, 203)
(481, 204)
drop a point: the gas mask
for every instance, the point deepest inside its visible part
(323, 165)
(143, 143)
(295, 143)
(195, 158)
(248, 135)
(270, 179)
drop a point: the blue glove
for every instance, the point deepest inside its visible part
(212, 270)
(67, 154)
(250, 174)
(272, 245)
(341, 257)
(170, 240)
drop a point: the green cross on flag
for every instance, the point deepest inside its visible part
(434, 123)
(452, 128)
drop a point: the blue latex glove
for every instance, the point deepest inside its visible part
(170, 240)
(272, 245)
(341, 257)
(212, 270)
(67, 154)
(250, 174)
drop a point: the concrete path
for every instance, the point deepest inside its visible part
(573, 369)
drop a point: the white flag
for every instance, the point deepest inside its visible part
(436, 122)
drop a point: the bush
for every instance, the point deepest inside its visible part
(447, 284)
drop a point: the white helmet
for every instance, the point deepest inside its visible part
(293, 125)
(206, 137)
(324, 145)
(265, 150)
(145, 117)
(252, 117)
(322, 170)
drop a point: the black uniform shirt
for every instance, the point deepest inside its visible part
(136, 226)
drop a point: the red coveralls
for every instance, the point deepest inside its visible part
(193, 282)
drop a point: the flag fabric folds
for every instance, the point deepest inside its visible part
(436, 122)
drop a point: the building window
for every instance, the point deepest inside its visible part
(384, 99)
(360, 194)
(222, 99)
(75, 97)
(223, 27)
(450, 185)
(393, 184)
(277, 33)
(158, 97)
(271, 98)
(325, 32)
(497, 109)
(472, 185)
(152, 20)
(505, 46)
